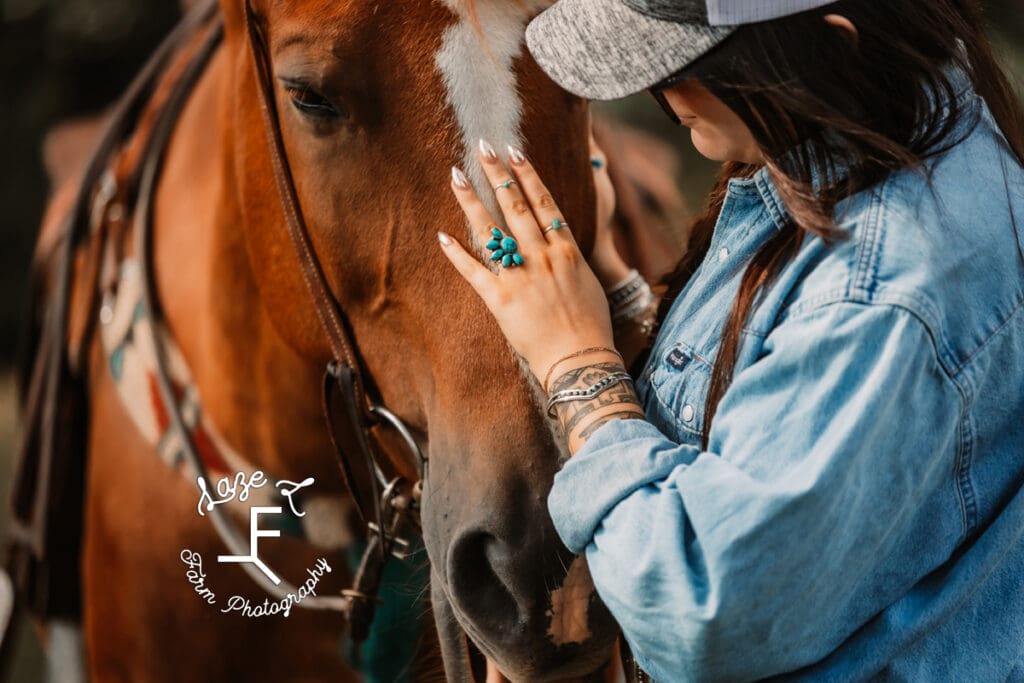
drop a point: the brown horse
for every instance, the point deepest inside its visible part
(376, 101)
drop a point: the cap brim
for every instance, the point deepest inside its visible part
(603, 50)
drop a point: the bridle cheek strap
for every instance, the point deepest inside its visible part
(330, 319)
(346, 407)
(340, 406)
(388, 505)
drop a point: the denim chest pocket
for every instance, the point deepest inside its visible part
(679, 387)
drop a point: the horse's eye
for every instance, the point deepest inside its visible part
(312, 104)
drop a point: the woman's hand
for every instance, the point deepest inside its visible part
(552, 304)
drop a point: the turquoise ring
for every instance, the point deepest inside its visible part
(556, 224)
(505, 185)
(596, 162)
(504, 249)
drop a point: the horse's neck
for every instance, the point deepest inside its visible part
(259, 393)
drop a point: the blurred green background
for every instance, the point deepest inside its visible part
(61, 59)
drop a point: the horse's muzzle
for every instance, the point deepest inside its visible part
(504, 589)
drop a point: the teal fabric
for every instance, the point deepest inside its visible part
(398, 625)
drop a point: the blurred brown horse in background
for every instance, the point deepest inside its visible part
(376, 102)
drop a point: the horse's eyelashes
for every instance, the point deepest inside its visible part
(313, 104)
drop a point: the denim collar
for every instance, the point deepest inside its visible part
(963, 90)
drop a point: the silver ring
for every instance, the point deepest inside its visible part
(505, 185)
(556, 224)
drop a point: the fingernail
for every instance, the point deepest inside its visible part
(487, 150)
(515, 155)
(444, 238)
(459, 178)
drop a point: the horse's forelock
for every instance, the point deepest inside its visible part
(486, 99)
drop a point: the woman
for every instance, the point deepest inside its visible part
(817, 473)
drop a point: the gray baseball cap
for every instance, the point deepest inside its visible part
(605, 49)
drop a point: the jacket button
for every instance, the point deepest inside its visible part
(688, 413)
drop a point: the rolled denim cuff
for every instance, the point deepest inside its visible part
(621, 456)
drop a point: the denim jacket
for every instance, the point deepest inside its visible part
(858, 513)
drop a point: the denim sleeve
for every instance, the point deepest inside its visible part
(809, 512)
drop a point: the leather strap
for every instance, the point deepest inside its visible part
(401, 502)
(340, 406)
(143, 231)
(347, 410)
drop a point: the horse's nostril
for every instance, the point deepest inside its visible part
(481, 578)
(509, 593)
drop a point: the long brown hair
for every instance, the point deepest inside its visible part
(867, 106)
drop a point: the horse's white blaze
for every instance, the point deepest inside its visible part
(476, 62)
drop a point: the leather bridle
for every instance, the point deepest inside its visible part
(389, 504)
(344, 378)
(349, 412)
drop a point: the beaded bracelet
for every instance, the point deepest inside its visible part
(643, 315)
(634, 296)
(590, 392)
(638, 300)
(575, 354)
(633, 308)
(630, 276)
(624, 286)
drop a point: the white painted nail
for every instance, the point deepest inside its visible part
(444, 239)
(459, 178)
(515, 155)
(487, 150)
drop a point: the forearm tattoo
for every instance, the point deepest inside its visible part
(619, 415)
(582, 416)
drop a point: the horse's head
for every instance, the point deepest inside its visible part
(377, 100)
